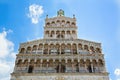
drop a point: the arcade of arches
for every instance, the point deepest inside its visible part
(62, 66)
(60, 54)
(59, 48)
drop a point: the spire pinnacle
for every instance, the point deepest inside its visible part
(60, 13)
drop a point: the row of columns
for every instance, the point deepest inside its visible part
(88, 67)
(60, 32)
(61, 36)
(60, 60)
(63, 68)
(59, 47)
(62, 24)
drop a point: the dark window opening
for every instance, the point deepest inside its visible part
(51, 35)
(60, 69)
(94, 69)
(57, 69)
(58, 36)
(62, 52)
(62, 36)
(89, 69)
(30, 70)
(74, 51)
(45, 52)
(58, 52)
(77, 68)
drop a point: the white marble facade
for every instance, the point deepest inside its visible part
(60, 55)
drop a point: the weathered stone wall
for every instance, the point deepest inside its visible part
(62, 77)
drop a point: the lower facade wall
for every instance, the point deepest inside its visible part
(60, 77)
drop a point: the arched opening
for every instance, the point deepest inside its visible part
(58, 48)
(48, 24)
(62, 34)
(26, 62)
(19, 63)
(63, 68)
(60, 68)
(34, 49)
(44, 64)
(38, 63)
(92, 49)
(80, 46)
(53, 23)
(58, 23)
(98, 50)
(82, 63)
(68, 48)
(29, 49)
(22, 50)
(73, 24)
(89, 68)
(46, 49)
(32, 61)
(69, 63)
(68, 32)
(76, 65)
(47, 33)
(52, 34)
(63, 49)
(58, 34)
(51, 63)
(94, 65)
(100, 62)
(40, 47)
(73, 32)
(56, 64)
(74, 48)
(53, 49)
(68, 24)
(86, 48)
(63, 23)
(30, 69)
(57, 68)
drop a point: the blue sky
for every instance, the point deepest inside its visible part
(97, 20)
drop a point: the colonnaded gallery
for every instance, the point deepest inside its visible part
(60, 55)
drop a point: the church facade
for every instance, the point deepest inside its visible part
(60, 55)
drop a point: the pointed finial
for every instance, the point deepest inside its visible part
(60, 13)
(73, 15)
(46, 16)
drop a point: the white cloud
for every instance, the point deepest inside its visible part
(13, 55)
(35, 12)
(117, 72)
(7, 55)
(6, 46)
(6, 78)
(6, 67)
